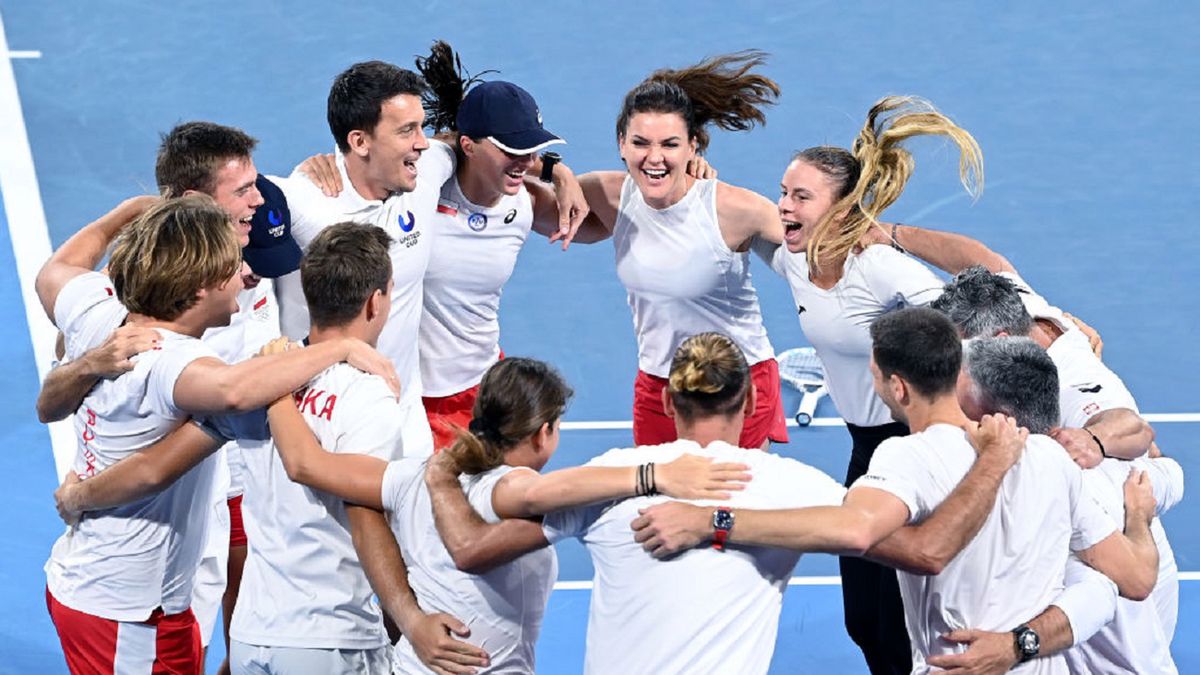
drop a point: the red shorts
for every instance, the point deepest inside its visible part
(237, 530)
(163, 644)
(652, 426)
(446, 412)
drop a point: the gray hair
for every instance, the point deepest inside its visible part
(1014, 376)
(982, 304)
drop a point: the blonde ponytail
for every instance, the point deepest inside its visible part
(882, 169)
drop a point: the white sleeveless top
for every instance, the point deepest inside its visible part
(473, 254)
(682, 278)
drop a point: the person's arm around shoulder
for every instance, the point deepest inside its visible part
(210, 385)
(66, 386)
(744, 214)
(431, 635)
(947, 251)
(145, 472)
(522, 494)
(1131, 558)
(475, 545)
(84, 250)
(928, 547)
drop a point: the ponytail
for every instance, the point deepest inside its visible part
(872, 175)
(709, 376)
(516, 398)
(448, 83)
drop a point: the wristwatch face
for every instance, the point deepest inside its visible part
(1028, 642)
(723, 520)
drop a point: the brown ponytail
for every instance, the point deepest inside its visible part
(872, 175)
(516, 397)
(448, 83)
(719, 90)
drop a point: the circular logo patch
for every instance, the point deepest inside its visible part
(477, 222)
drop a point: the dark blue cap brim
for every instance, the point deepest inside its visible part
(275, 261)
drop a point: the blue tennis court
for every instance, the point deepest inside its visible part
(1082, 109)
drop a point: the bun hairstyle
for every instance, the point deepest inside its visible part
(448, 84)
(719, 90)
(516, 397)
(709, 376)
(871, 176)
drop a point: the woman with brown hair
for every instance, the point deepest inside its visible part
(513, 434)
(682, 242)
(831, 200)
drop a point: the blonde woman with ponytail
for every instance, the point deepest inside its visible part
(681, 240)
(704, 611)
(831, 203)
(514, 432)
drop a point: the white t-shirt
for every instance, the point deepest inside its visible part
(1013, 568)
(503, 607)
(474, 250)
(837, 321)
(303, 585)
(408, 218)
(1137, 640)
(125, 562)
(682, 278)
(703, 611)
(1086, 385)
(255, 324)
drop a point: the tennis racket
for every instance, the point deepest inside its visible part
(801, 369)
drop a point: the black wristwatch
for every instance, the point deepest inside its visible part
(1026, 641)
(549, 159)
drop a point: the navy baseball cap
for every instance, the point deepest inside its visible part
(506, 115)
(272, 252)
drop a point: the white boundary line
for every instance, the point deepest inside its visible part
(24, 54)
(839, 422)
(796, 581)
(27, 229)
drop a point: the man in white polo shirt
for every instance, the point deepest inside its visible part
(393, 175)
(120, 580)
(1019, 553)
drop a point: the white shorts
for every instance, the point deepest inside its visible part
(416, 436)
(213, 572)
(247, 659)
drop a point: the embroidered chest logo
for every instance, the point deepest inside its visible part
(510, 216)
(477, 222)
(412, 222)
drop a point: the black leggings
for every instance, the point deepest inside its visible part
(870, 595)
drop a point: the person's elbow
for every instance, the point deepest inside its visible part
(1137, 588)
(855, 541)
(470, 559)
(47, 413)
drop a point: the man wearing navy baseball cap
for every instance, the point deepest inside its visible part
(506, 115)
(272, 251)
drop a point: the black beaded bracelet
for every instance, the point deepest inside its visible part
(1098, 443)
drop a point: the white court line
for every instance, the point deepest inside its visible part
(839, 422)
(27, 230)
(24, 54)
(796, 581)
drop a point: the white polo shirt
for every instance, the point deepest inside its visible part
(503, 607)
(303, 585)
(472, 256)
(408, 218)
(1086, 385)
(1137, 640)
(1013, 568)
(123, 563)
(837, 321)
(703, 611)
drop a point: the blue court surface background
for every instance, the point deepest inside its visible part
(1083, 111)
